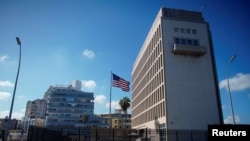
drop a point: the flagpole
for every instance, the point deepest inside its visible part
(110, 98)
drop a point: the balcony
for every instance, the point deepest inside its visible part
(189, 50)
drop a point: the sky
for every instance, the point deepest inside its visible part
(86, 40)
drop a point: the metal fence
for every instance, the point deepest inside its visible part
(113, 134)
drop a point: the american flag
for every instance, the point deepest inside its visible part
(120, 82)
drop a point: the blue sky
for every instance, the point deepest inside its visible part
(85, 40)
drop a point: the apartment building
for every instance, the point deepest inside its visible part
(68, 106)
(36, 109)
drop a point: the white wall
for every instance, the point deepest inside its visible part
(190, 89)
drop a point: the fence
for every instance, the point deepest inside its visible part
(113, 134)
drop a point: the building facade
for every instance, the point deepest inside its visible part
(97, 121)
(118, 120)
(174, 78)
(36, 109)
(121, 119)
(68, 106)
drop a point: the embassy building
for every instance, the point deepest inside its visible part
(174, 78)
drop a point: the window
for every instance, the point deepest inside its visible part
(188, 31)
(182, 30)
(194, 31)
(189, 42)
(195, 42)
(176, 29)
(177, 40)
(70, 99)
(183, 41)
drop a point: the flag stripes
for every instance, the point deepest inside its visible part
(120, 82)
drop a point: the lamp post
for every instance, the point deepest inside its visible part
(14, 92)
(229, 91)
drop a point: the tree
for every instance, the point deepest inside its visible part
(124, 104)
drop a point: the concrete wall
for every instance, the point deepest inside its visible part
(190, 90)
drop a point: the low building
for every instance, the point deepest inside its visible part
(119, 119)
(12, 125)
(17, 135)
(97, 121)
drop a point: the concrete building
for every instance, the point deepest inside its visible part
(174, 78)
(36, 109)
(15, 126)
(67, 106)
(118, 119)
(97, 121)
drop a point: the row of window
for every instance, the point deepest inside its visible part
(121, 126)
(154, 44)
(185, 30)
(69, 110)
(150, 114)
(148, 91)
(150, 64)
(184, 41)
(65, 120)
(121, 121)
(70, 99)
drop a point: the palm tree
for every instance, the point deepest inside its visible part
(124, 104)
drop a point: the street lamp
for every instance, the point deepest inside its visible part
(229, 92)
(13, 97)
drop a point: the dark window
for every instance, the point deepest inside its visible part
(182, 30)
(183, 41)
(176, 29)
(189, 42)
(195, 42)
(177, 40)
(194, 31)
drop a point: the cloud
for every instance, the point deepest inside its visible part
(3, 58)
(4, 114)
(100, 99)
(239, 82)
(88, 53)
(18, 115)
(6, 84)
(89, 84)
(229, 119)
(4, 95)
(15, 115)
(114, 105)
